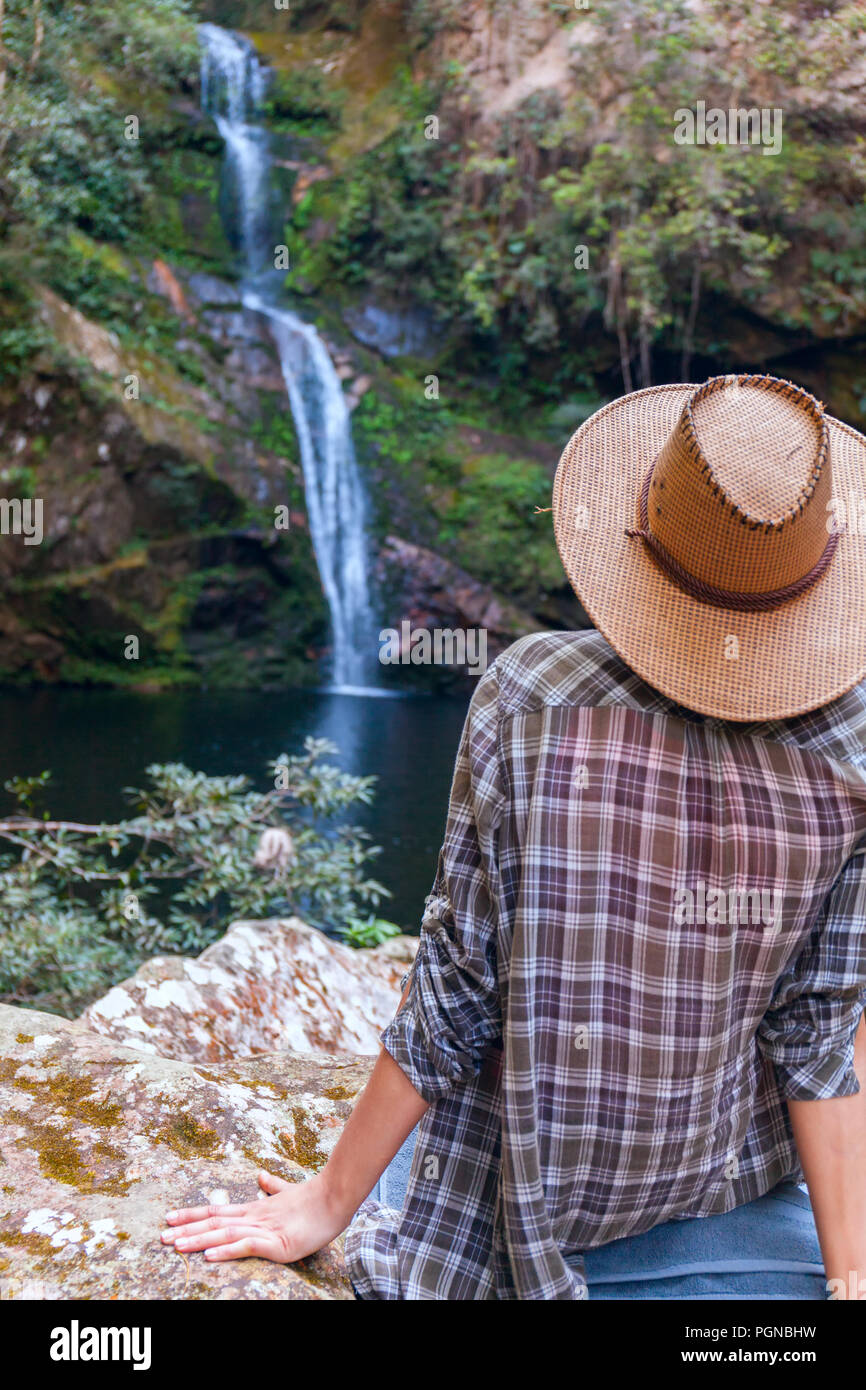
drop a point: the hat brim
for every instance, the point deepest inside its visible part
(794, 658)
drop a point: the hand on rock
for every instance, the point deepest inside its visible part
(291, 1222)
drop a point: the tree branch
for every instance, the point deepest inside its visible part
(2, 51)
(38, 34)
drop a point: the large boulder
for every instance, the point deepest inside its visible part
(269, 986)
(100, 1140)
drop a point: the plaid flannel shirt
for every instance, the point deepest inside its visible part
(594, 1064)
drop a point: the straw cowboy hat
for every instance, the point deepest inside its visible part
(712, 533)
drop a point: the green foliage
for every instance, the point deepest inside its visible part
(400, 433)
(478, 509)
(81, 906)
(19, 480)
(301, 101)
(569, 414)
(275, 430)
(260, 14)
(66, 164)
(22, 334)
(67, 157)
(97, 280)
(387, 212)
(26, 790)
(18, 345)
(486, 522)
(368, 931)
(482, 223)
(100, 290)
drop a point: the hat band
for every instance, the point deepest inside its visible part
(709, 593)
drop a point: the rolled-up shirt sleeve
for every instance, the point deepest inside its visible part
(808, 1032)
(451, 1015)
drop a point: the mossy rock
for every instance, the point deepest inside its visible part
(101, 1140)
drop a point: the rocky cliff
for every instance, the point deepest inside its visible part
(158, 504)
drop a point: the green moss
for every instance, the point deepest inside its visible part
(187, 1137)
(182, 216)
(109, 1151)
(72, 1096)
(43, 1253)
(343, 90)
(33, 1241)
(60, 1157)
(272, 1164)
(303, 1147)
(257, 1087)
(303, 101)
(103, 253)
(84, 671)
(196, 1290)
(61, 1160)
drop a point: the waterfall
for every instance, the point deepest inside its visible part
(233, 85)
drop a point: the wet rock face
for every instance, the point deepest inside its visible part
(392, 329)
(269, 986)
(142, 493)
(100, 1140)
(433, 593)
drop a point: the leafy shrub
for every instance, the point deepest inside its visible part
(369, 931)
(82, 905)
(486, 524)
(301, 98)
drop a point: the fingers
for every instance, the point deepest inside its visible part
(263, 1246)
(182, 1218)
(232, 1232)
(271, 1183)
(212, 1223)
(216, 1236)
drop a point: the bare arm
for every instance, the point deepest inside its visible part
(299, 1218)
(831, 1142)
(387, 1111)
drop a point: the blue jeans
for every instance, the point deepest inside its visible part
(767, 1249)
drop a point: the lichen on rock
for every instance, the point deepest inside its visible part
(101, 1140)
(263, 987)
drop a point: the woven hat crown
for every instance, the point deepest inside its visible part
(701, 529)
(738, 496)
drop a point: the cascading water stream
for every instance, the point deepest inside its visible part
(233, 85)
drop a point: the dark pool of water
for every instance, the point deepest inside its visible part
(97, 742)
